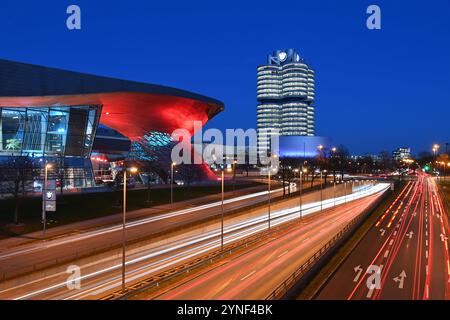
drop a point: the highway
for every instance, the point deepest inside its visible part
(100, 273)
(404, 255)
(17, 259)
(254, 274)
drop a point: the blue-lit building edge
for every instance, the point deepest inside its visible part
(302, 146)
(60, 135)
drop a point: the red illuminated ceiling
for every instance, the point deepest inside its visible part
(130, 113)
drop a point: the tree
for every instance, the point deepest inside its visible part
(341, 158)
(15, 173)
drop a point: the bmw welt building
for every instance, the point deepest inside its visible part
(69, 118)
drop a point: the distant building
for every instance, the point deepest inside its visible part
(285, 95)
(401, 153)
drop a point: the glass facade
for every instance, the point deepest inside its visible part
(60, 134)
(285, 94)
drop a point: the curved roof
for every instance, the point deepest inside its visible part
(132, 108)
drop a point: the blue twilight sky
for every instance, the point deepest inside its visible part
(374, 89)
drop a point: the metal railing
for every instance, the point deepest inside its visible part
(283, 288)
(157, 279)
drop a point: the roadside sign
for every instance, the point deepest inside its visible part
(50, 206)
(49, 196)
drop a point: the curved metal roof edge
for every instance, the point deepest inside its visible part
(143, 87)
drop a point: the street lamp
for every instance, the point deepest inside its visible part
(435, 150)
(268, 173)
(44, 214)
(334, 192)
(172, 165)
(304, 170)
(321, 189)
(345, 191)
(124, 221)
(222, 216)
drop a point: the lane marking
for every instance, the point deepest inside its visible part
(249, 275)
(386, 253)
(282, 254)
(391, 242)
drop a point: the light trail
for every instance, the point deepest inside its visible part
(232, 233)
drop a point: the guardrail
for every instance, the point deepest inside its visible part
(156, 280)
(67, 257)
(287, 285)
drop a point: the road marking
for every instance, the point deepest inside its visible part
(369, 294)
(400, 279)
(391, 242)
(282, 254)
(304, 240)
(386, 253)
(427, 291)
(426, 254)
(426, 269)
(426, 233)
(249, 275)
(395, 232)
(358, 271)
(426, 242)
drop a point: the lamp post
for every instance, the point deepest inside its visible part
(172, 165)
(304, 170)
(321, 191)
(334, 193)
(44, 213)
(345, 191)
(353, 187)
(222, 215)
(268, 186)
(435, 152)
(124, 221)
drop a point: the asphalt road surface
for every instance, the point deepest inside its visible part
(254, 274)
(404, 256)
(100, 274)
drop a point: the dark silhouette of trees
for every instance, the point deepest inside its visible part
(15, 175)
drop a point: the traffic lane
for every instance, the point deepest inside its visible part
(111, 220)
(404, 265)
(343, 282)
(409, 264)
(43, 252)
(49, 281)
(439, 265)
(274, 260)
(389, 250)
(47, 253)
